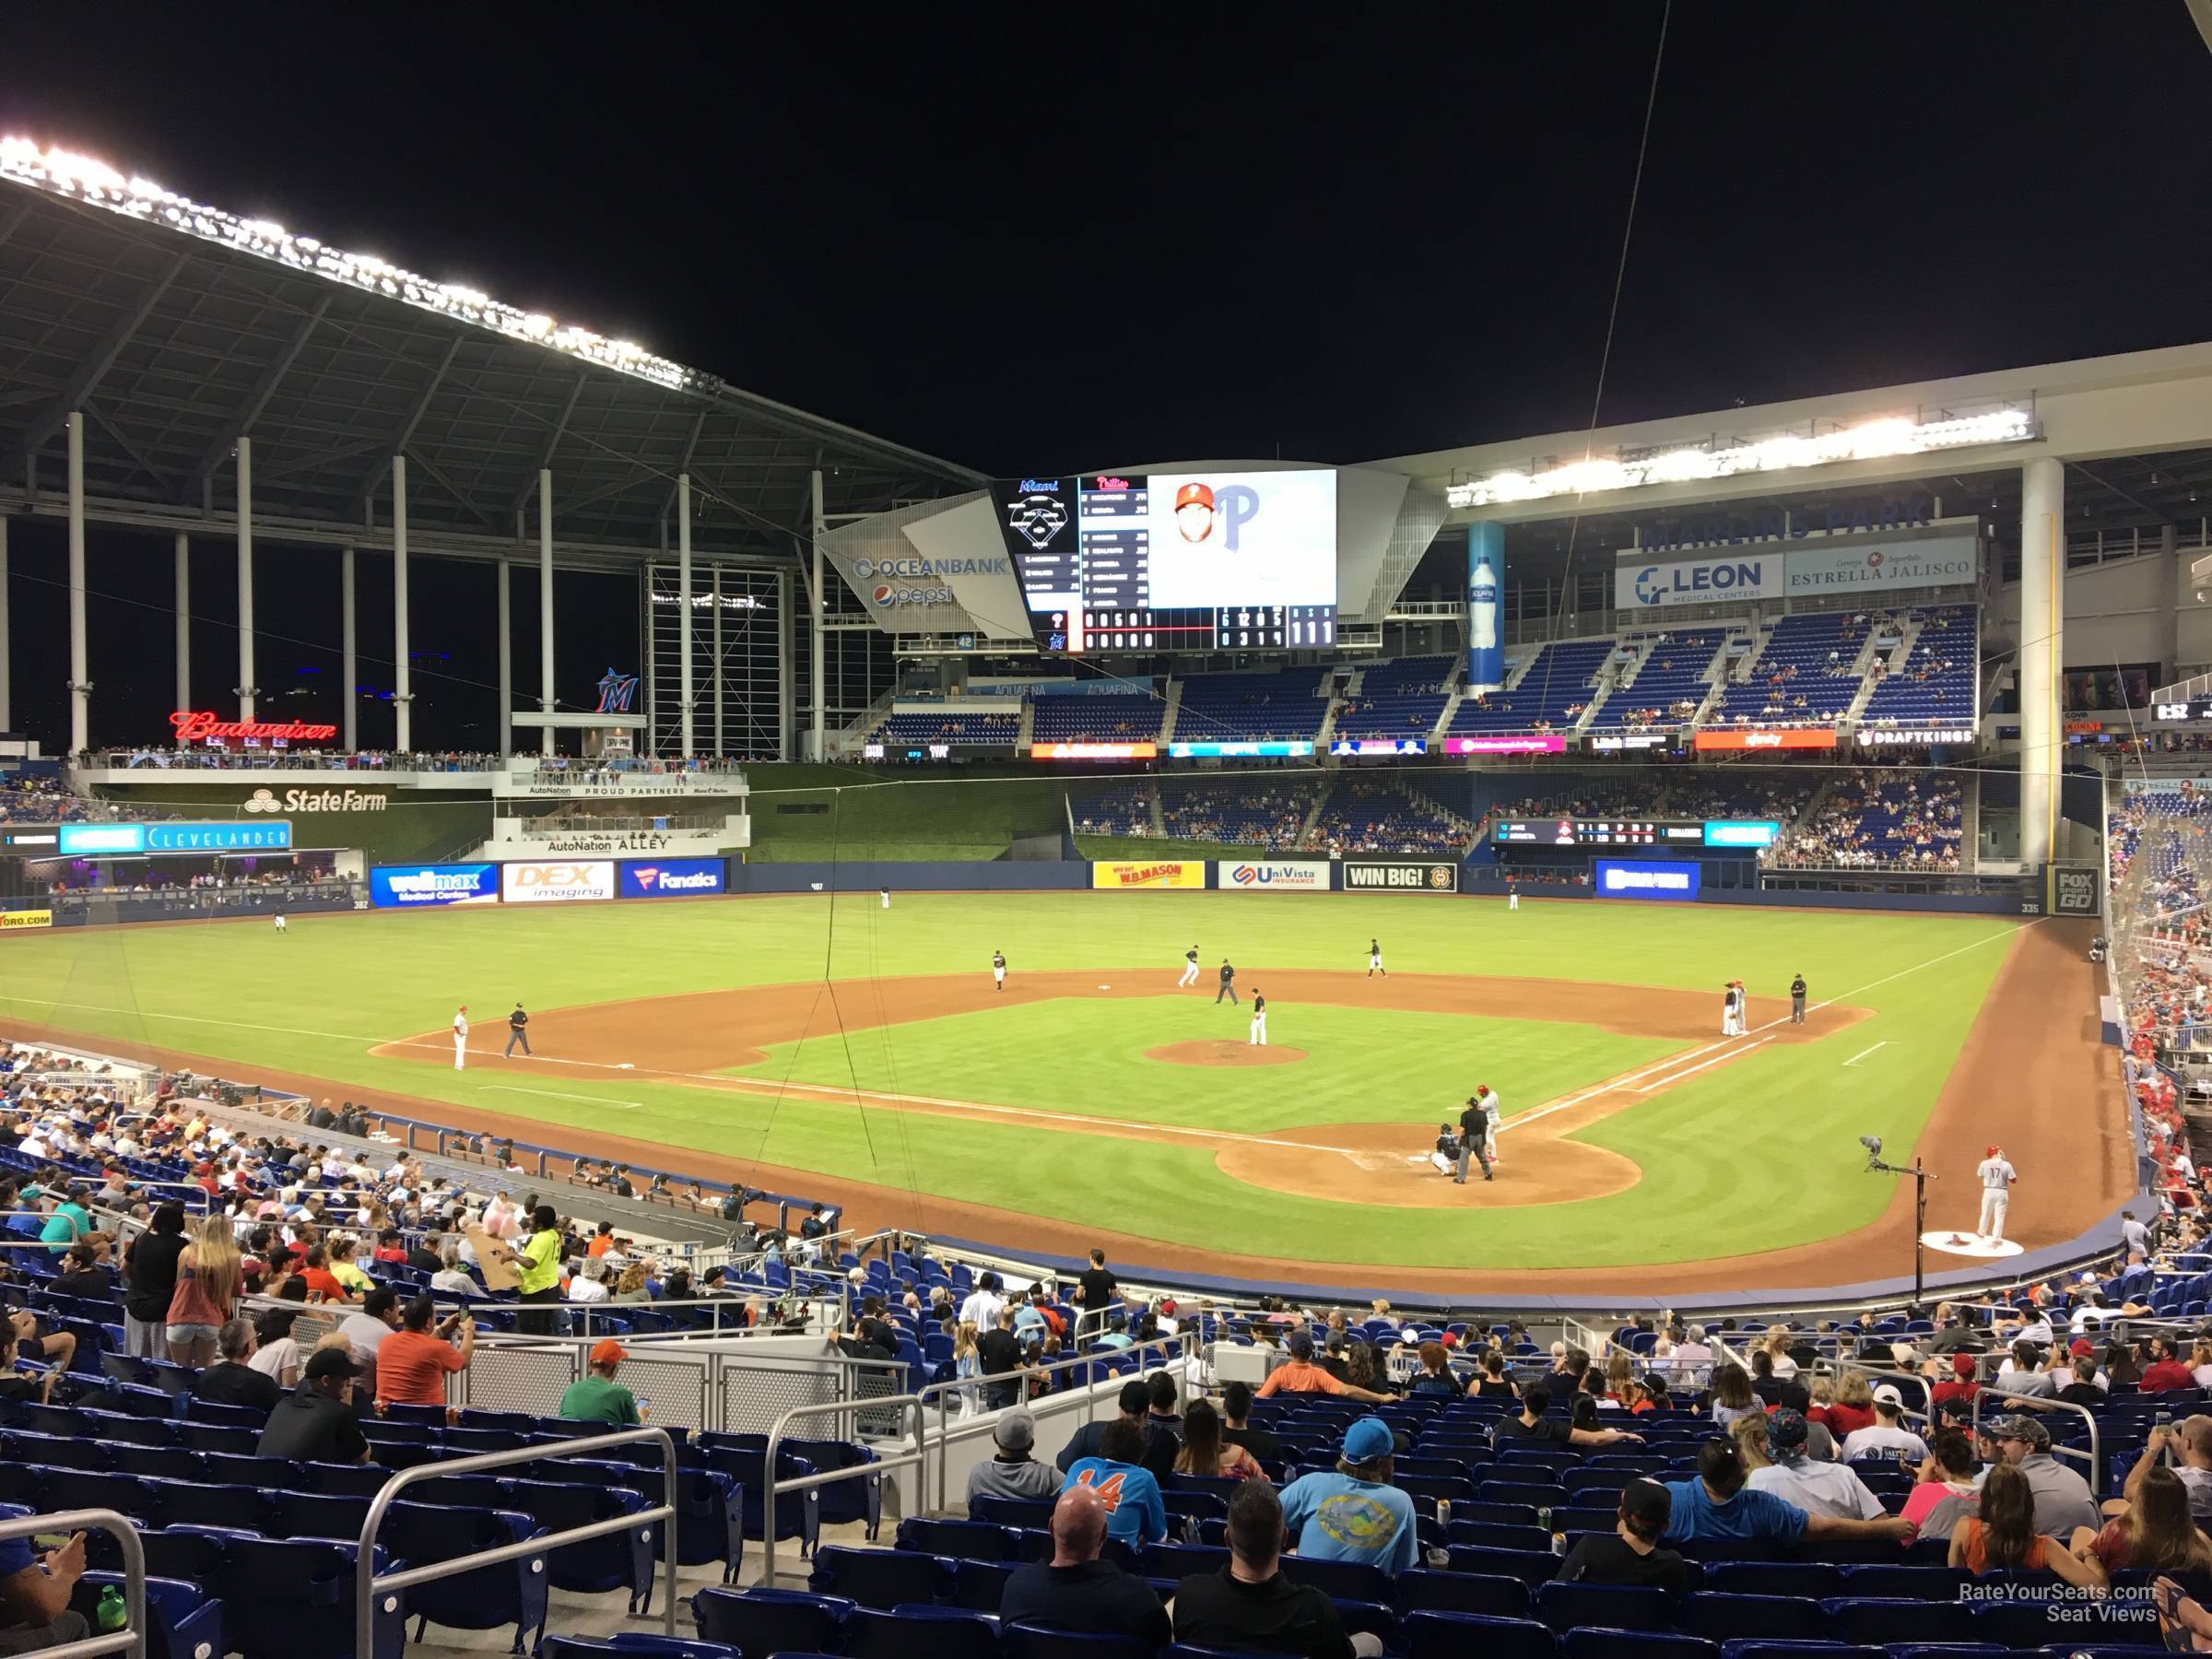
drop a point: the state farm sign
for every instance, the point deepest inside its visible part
(556, 883)
(316, 800)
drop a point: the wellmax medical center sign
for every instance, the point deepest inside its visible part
(1865, 564)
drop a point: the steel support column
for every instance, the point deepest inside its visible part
(403, 695)
(246, 687)
(816, 743)
(2042, 646)
(349, 689)
(183, 552)
(506, 664)
(6, 712)
(545, 605)
(80, 683)
(786, 638)
(683, 612)
(714, 656)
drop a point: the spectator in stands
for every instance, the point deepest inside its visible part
(35, 1592)
(233, 1379)
(1134, 1401)
(1887, 1435)
(1354, 1514)
(2062, 1496)
(1962, 1388)
(1249, 1605)
(451, 1280)
(1077, 1590)
(68, 1221)
(20, 1386)
(2191, 1441)
(2082, 1387)
(2004, 1532)
(1137, 1516)
(1012, 1472)
(344, 1269)
(1162, 1423)
(1774, 1389)
(207, 1274)
(1236, 1407)
(82, 1275)
(149, 1280)
(2166, 1370)
(1819, 1488)
(2156, 1530)
(596, 1396)
(1944, 1489)
(415, 1360)
(1629, 1554)
(1719, 1504)
(275, 1353)
(1299, 1374)
(366, 1331)
(1096, 1287)
(315, 1423)
(998, 1353)
(1204, 1452)
(1532, 1428)
(539, 1266)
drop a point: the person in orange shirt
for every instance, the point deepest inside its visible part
(602, 1242)
(1299, 1374)
(413, 1361)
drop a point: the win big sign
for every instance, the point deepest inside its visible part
(1364, 875)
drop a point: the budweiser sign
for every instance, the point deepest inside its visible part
(201, 726)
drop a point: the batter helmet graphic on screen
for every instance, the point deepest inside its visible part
(1194, 512)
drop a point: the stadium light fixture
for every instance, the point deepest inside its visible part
(1692, 463)
(92, 182)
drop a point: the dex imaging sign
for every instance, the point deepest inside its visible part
(556, 883)
(1646, 879)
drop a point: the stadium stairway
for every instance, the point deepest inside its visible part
(1027, 730)
(1909, 630)
(1170, 713)
(1321, 799)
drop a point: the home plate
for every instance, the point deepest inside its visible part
(1954, 1241)
(1105, 987)
(625, 1066)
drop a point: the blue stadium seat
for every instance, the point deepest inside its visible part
(962, 1540)
(710, 1517)
(282, 1598)
(1634, 1644)
(1036, 1641)
(918, 1631)
(181, 1622)
(763, 1620)
(1426, 1589)
(979, 1585)
(634, 1645)
(879, 1578)
(1721, 1616)
(1022, 1512)
(1563, 1608)
(1432, 1635)
(1816, 1579)
(483, 1598)
(1344, 1581)
(1876, 1621)
(621, 1560)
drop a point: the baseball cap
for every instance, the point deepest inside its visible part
(1367, 1440)
(1646, 1500)
(1990, 1150)
(1301, 1348)
(1016, 1431)
(2022, 1429)
(1785, 1429)
(1963, 1364)
(329, 1362)
(606, 1351)
(2081, 1348)
(1195, 494)
(1887, 1393)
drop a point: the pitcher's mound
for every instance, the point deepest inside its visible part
(1224, 1053)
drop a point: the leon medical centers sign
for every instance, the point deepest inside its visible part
(1824, 567)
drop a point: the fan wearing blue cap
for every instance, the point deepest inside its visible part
(1354, 1514)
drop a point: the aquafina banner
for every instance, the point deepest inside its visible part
(1486, 566)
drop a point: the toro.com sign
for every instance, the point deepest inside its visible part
(1383, 875)
(556, 883)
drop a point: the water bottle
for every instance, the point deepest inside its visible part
(111, 1614)
(1444, 1511)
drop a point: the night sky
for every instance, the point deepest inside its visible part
(1028, 242)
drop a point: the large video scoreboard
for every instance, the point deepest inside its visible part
(1743, 833)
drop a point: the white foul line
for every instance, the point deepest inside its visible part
(1717, 1060)
(1864, 1053)
(554, 1094)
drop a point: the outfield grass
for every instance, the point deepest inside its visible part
(1720, 1152)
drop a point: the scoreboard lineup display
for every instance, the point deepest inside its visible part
(1746, 834)
(1176, 562)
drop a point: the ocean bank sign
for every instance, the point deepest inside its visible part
(1646, 879)
(1730, 580)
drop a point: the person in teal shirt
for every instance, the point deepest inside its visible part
(1354, 1514)
(70, 1221)
(1134, 1511)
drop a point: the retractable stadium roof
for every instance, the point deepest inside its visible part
(176, 328)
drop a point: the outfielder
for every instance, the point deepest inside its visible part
(1997, 1176)
(998, 968)
(1513, 897)
(280, 927)
(1190, 969)
(461, 1037)
(884, 893)
(1375, 960)
(1259, 1021)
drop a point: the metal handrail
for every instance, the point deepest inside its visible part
(2046, 1403)
(131, 1638)
(772, 1488)
(1182, 1344)
(368, 1583)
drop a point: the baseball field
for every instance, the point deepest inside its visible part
(836, 1048)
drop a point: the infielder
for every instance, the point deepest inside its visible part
(461, 1037)
(1259, 1021)
(998, 968)
(1997, 1177)
(1190, 969)
(1797, 1000)
(1375, 960)
(1229, 984)
(1732, 1011)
